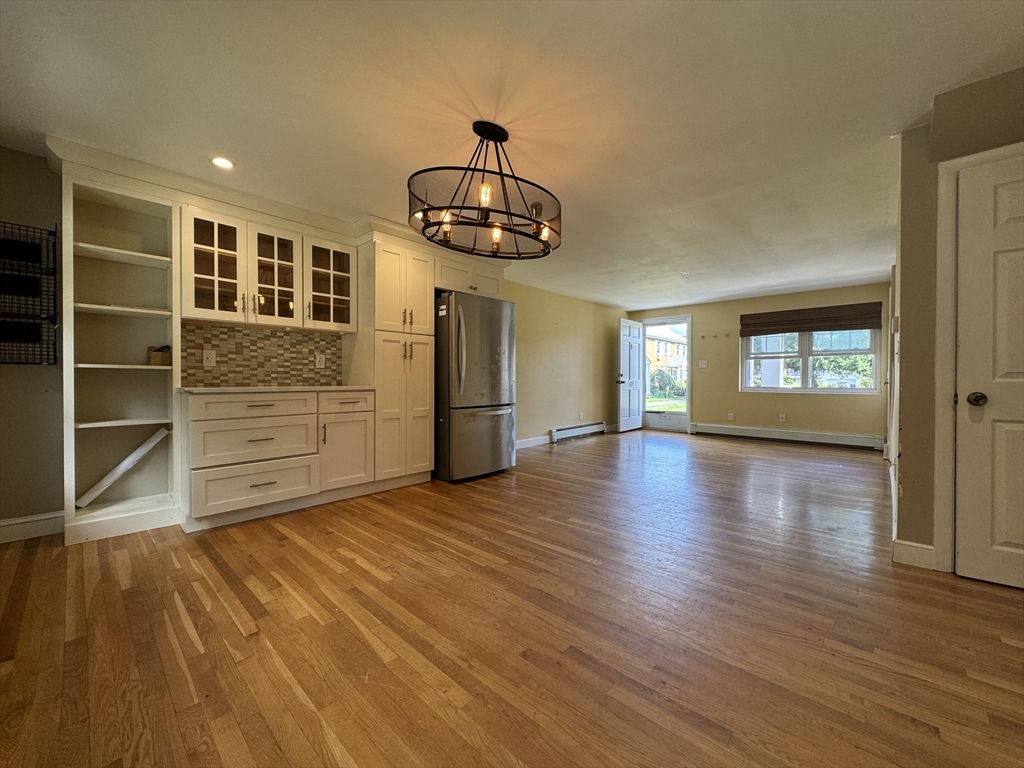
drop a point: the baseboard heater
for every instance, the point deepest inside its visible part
(567, 433)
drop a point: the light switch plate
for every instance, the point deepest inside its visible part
(731, 417)
(702, 363)
(320, 360)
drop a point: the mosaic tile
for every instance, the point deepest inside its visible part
(252, 356)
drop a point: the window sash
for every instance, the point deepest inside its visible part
(806, 354)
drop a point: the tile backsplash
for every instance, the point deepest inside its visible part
(258, 357)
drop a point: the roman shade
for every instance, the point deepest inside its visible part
(844, 317)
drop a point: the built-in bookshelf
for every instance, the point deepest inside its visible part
(119, 255)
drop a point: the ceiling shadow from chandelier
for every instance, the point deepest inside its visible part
(483, 208)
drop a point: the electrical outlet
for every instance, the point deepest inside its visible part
(581, 415)
(702, 363)
(209, 357)
(321, 360)
(731, 417)
(782, 417)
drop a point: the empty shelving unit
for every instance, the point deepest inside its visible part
(119, 298)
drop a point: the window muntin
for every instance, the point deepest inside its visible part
(832, 361)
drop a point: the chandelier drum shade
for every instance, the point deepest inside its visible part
(483, 208)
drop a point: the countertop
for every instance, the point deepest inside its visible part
(237, 390)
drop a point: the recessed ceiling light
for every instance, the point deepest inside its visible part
(223, 162)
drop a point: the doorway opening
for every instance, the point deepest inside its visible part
(667, 373)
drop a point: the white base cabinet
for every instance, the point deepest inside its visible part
(346, 450)
(247, 449)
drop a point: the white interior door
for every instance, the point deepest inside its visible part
(990, 373)
(630, 375)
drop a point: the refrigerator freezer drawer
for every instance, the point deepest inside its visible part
(482, 440)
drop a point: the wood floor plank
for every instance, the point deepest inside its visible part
(632, 599)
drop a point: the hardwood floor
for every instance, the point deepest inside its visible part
(638, 599)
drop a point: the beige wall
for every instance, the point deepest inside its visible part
(975, 118)
(715, 389)
(565, 360)
(31, 408)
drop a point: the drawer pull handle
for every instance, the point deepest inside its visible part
(358, 400)
(260, 485)
(259, 440)
(260, 405)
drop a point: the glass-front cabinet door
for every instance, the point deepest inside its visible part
(330, 285)
(275, 284)
(214, 267)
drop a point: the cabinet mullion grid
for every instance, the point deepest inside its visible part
(331, 286)
(215, 258)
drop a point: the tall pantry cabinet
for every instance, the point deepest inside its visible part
(403, 360)
(120, 299)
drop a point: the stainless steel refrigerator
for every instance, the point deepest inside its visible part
(475, 365)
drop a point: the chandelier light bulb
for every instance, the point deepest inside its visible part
(496, 238)
(485, 195)
(545, 233)
(446, 226)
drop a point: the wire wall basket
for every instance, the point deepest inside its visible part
(28, 295)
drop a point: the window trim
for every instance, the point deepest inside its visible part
(805, 354)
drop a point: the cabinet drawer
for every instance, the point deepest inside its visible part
(233, 406)
(230, 441)
(248, 485)
(346, 402)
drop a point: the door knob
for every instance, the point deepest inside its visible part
(977, 398)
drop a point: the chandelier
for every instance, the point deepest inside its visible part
(482, 210)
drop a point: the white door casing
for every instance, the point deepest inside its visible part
(990, 360)
(630, 381)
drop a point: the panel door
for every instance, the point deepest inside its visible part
(214, 268)
(452, 275)
(419, 290)
(420, 404)
(346, 450)
(990, 373)
(275, 282)
(630, 375)
(390, 357)
(487, 280)
(390, 312)
(329, 285)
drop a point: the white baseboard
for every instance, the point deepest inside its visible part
(912, 553)
(104, 528)
(192, 524)
(31, 526)
(795, 435)
(529, 442)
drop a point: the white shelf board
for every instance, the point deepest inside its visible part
(120, 423)
(111, 509)
(125, 257)
(115, 367)
(110, 309)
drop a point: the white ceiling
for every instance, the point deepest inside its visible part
(700, 150)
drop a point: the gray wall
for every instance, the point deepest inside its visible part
(967, 120)
(31, 408)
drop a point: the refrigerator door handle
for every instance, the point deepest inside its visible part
(488, 412)
(462, 351)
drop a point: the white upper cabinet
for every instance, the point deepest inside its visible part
(329, 285)
(468, 276)
(214, 268)
(256, 273)
(403, 290)
(275, 286)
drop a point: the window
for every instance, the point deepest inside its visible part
(834, 361)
